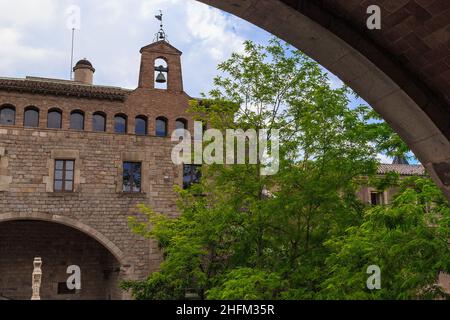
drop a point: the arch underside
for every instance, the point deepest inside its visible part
(419, 114)
(61, 242)
(110, 246)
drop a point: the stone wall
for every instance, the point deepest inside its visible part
(97, 207)
(27, 158)
(98, 200)
(59, 247)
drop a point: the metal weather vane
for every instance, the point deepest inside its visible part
(161, 35)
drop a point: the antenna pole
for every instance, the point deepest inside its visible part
(71, 59)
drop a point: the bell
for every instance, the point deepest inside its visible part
(161, 78)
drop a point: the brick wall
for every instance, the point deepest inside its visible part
(97, 207)
(97, 201)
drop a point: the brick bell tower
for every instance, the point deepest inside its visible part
(152, 71)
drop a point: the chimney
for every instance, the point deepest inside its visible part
(84, 72)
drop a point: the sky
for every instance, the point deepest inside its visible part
(35, 39)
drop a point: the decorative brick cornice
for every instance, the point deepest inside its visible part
(62, 88)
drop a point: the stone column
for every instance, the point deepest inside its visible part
(36, 279)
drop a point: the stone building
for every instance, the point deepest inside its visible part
(371, 195)
(75, 161)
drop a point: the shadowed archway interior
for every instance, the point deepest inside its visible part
(59, 246)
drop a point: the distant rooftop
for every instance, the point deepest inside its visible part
(402, 169)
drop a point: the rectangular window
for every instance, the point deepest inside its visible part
(376, 198)
(64, 174)
(192, 174)
(132, 173)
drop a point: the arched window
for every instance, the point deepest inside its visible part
(161, 74)
(31, 117)
(181, 124)
(192, 174)
(77, 120)
(141, 125)
(7, 115)
(121, 124)
(54, 119)
(161, 127)
(99, 122)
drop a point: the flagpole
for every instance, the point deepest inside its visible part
(71, 59)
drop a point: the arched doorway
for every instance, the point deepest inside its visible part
(59, 246)
(417, 106)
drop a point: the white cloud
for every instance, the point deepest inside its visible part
(150, 8)
(22, 24)
(213, 30)
(384, 159)
(14, 52)
(25, 13)
(34, 39)
(110, 12)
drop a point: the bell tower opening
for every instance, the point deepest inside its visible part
(161, 74)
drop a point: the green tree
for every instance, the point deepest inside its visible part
(241, 235)
(386, 140)
(248, 284)
(407, 239)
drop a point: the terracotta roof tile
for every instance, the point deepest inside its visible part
(402, 169)
(63, 88)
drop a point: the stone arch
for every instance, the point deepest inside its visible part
(162, 57)
(5, 120)
(54, 118)
(417, 114)
(121, 123)
(99, 121)
(28, 120)
(162, 126)
(181, 123)
(77, 120)
(77, 225)
(141, 125)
